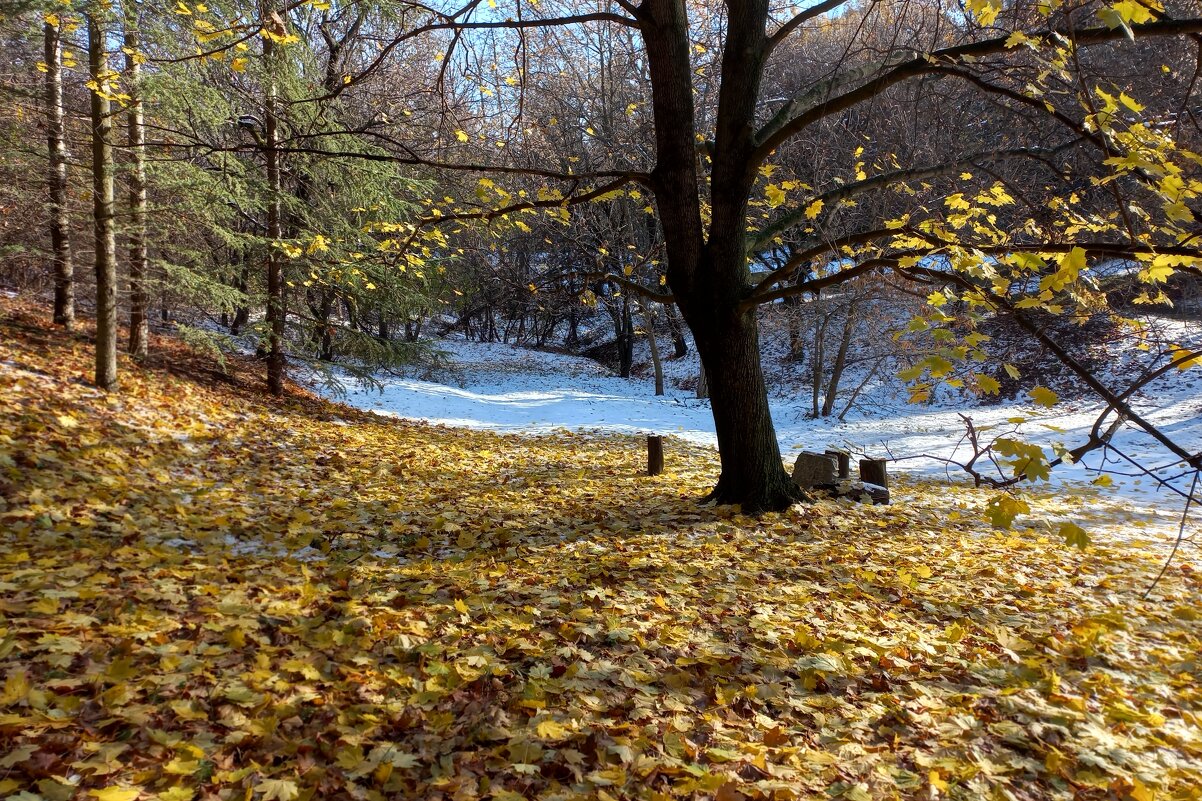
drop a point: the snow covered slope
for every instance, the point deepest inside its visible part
(510, 389)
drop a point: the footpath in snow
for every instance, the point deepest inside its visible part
(508, 389)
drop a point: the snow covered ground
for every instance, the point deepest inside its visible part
(509, 389)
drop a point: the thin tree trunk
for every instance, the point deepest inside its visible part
(139, 329)
(103, 216)
(832, 386)
(625, 340)
(703, 385)
(56, 139)
(855, 393)
(797, 349)
(572, 342)
(680, 347)
(655, 360)
(325, 330)
(241, 313)
(276, 307)
(819, 359)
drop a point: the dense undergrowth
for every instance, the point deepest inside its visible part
(207, 594)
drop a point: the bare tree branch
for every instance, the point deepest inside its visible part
(827, 99)
(800, 19)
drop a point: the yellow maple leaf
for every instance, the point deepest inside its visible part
(1042, 396)
(552, 730)
(774, 195)
(116, 794)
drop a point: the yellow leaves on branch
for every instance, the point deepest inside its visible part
(1125, 12)
(210, 595)
(774, 195)
(1072, 264)
(985, 11)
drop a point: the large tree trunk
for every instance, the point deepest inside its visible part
(708, 274)
(753, 473)
(56, 139)
(102, 207)
(276, 306)
(139, 328)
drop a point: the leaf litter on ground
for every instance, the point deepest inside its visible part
(206, 594)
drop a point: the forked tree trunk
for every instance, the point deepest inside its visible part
(707, 271)
(56, 139)
(102, 209)
(139, 328)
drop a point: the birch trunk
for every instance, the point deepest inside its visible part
(56, 139)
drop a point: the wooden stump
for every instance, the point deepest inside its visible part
(844, 459)
(872, 471)
(655, 454)
(814, 470)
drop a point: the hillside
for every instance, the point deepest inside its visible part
(505, 388)
(210, 594)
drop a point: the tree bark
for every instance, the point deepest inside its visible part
(242, 283)
(56, 139)
(139, 328)
(102, 208)
(276, 306)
